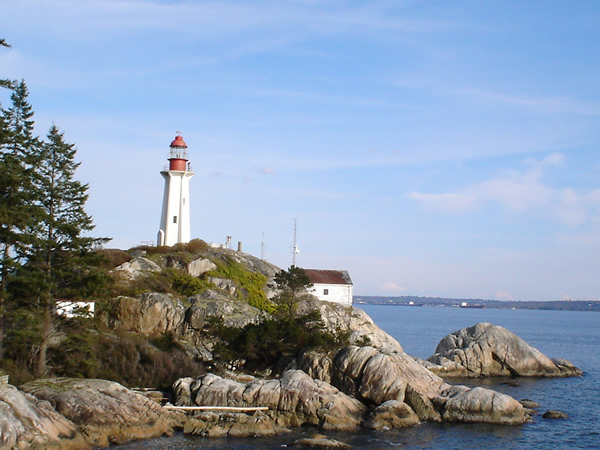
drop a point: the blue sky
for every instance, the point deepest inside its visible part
(431, 148)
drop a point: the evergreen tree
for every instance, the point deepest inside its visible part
(291, 283)
(59, 245)
(18, 148)
(3, 81)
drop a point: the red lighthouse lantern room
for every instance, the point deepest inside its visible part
(178, 155)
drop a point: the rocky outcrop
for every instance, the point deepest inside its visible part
(200, 266)
(212, 303)
(104, 412)
(375, 376)
(28, 422)
(295, 398)
(234, 424)
(347, 318)
(149, 314)
(138, 267)
(488, 350)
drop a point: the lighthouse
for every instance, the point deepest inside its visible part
(175, 217)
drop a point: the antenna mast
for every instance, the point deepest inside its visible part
(295, 250)
(263, 248)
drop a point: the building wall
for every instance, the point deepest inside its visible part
(336, 293)
(175, 216)
(71, 309)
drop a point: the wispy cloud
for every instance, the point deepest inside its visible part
(268, 170)
(518, 192)
(538, 104)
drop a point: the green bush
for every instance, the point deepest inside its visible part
(263, 344)
(250, 285)
(188, 285)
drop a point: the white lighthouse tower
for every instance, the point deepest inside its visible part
(175, 217)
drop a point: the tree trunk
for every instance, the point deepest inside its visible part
(40, 366)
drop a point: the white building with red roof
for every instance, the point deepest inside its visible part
(331, 285)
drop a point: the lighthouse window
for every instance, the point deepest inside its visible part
(184, 200)
(174, 219)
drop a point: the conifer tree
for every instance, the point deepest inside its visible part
(18, 150)
(290, 283)
(59, 241)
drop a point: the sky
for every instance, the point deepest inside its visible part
(430, 148)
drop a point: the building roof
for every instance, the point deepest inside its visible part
(318, 276)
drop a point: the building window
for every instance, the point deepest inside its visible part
(174, 219)
(325, 291)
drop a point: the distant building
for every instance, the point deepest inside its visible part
(331, 285)
(70, 309)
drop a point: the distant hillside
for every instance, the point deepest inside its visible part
(559, 305)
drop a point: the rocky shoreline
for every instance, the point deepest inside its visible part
(369, 382)
(369, 387)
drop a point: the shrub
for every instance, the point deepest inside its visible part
(262, 345)
(251, 285)
(113, 257)
(188, 285)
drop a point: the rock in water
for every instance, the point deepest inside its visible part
(552, 414)
(28, 422)
(479, 405)
(392, 414)
(488, 350)
(104, 411)
(319, 441)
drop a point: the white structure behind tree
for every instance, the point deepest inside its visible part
(175, 217)
(331, 285)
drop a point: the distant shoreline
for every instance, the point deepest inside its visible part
(412, 301)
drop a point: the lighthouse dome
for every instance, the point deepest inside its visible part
(178, 142)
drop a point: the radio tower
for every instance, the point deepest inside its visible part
(295, 250)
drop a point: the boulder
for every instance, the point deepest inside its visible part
(103, 411)
(295, 398)
(149, 314)
(552, 414)
(488, 350)
(200, 266)
(479, 405)
(138, 267)
(233, 424)
(392, 414)
(319, 441)
(28, 422)
(375, 376)
(211, 303)
(316, 364)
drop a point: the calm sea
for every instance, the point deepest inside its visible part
(571, 335)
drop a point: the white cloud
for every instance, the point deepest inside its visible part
(520, 193)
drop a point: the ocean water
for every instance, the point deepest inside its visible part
(571, 335)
